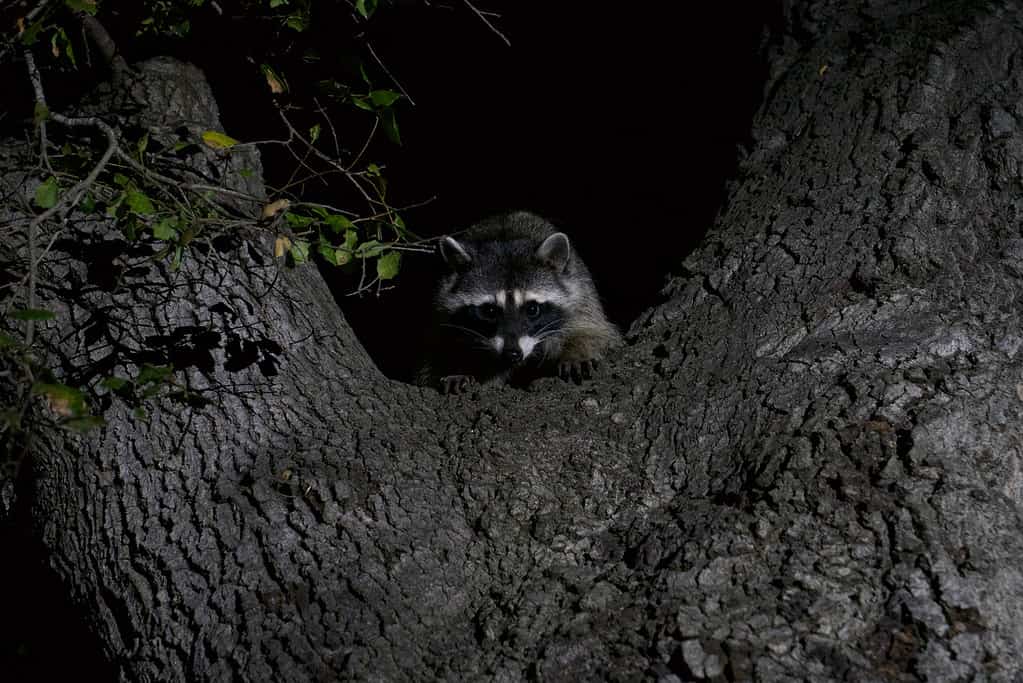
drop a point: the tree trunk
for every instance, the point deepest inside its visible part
(807, 465)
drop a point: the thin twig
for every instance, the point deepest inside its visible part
(71, 198)
(486, 21)
(41, 111)
(74, 195)
(330, 124)
(372, 132)
(333, 162)
(389, 74)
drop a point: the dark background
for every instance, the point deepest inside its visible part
(620, 125)
(619, 121)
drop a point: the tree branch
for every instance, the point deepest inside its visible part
(70, 198)
(104, 43)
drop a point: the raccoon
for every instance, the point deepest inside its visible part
(513, 303)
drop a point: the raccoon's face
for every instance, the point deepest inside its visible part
(506, 301)
(512, 326)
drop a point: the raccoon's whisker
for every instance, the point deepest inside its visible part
(548, 335)
(467, 330)
(547, 327)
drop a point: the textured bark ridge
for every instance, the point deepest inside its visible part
(805, 466)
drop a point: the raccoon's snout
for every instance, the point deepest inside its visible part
(512, 355)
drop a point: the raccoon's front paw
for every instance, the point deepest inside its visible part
(456, 384)
(578, 370)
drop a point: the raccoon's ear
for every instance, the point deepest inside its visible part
(555, 251)
(454, 254)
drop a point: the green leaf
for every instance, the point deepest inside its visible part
(370, 249)
(7, 342)
(121, 180)
(388, 265)
(344, 253)
(218, 140)
(277, 3)
(165, 229)
(390, 126)
(314, 133)
(115, 206)
(153, 373)
(59, 41)
(139, 203)
(114, 383)
(64, 400)
(31, 34)
(338, 223)
(351, 239)
(366, 7)
(140, 413)
(143, 143)
(297, 221)
(40, 114)
(84, 424)
(46, 194)
(87, 6)
(299, 252)
(276, 82)
(296, 22)
(362, 103)
(33, 314)
(328, 253)
(384, 98)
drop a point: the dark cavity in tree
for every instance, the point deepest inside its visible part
(621, 128)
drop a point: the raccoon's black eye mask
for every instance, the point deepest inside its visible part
(486, 312)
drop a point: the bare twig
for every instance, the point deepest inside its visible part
(372, 132)
(486, 21)
(294, 134)
(74, 195)
(41, 110)
(71, 197)
(330, 124)
(389, 74)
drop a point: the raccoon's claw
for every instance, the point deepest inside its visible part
(578, 370)
(456, 384)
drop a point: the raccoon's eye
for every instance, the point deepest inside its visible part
(532, 309)
(487, 312)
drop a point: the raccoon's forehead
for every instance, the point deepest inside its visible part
(477, 289)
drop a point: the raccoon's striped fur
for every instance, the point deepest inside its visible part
(514, 302)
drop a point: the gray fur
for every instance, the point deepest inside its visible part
(513, 254)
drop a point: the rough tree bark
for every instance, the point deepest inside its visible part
(807, 465)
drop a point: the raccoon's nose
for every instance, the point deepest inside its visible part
(512, 354)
